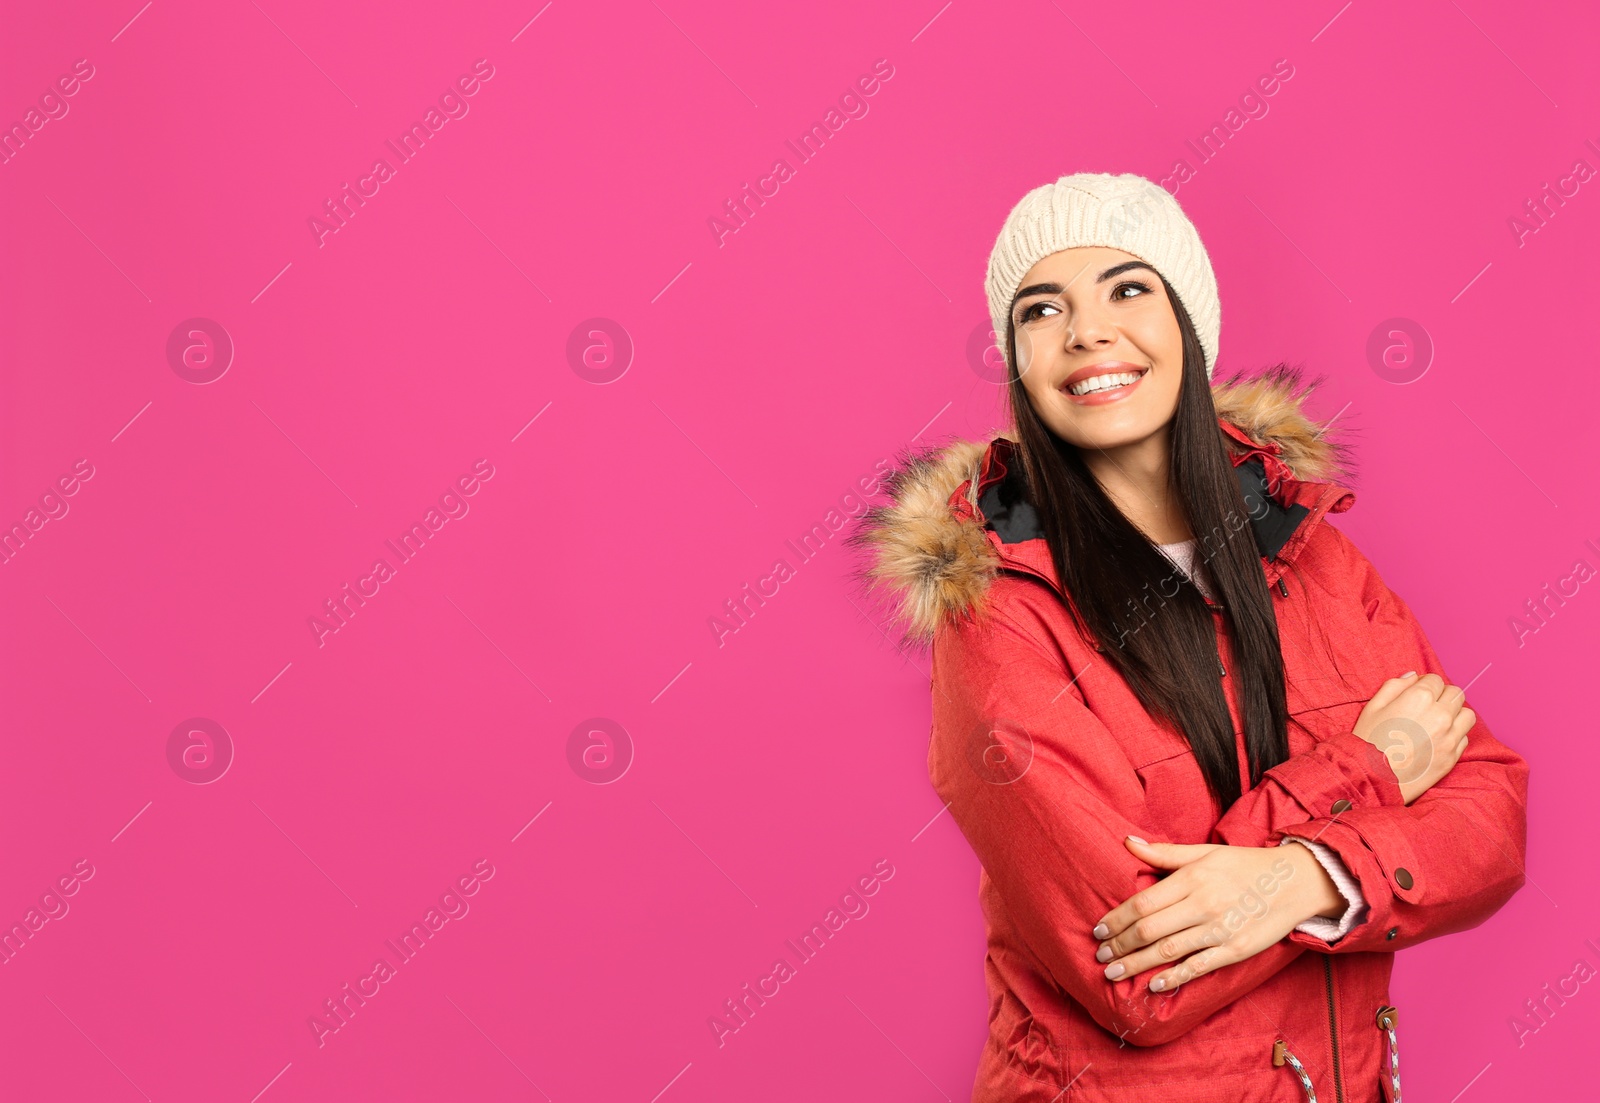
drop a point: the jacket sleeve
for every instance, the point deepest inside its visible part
(1044, 794)
(1451, 858)
(1307, 786)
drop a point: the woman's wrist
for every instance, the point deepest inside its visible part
(1314, 893)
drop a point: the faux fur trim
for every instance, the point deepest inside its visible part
(936, 568)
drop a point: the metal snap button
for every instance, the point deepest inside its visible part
(1341, 806)
(1392, 932)
(1402, 877)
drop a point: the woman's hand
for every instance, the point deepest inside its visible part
(1421, 726)
(1222, 905)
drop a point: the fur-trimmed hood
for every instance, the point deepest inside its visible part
(937, 562)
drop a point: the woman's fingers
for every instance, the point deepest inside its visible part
(1432, 683)
(1167, 855)
(1146, 902)
(1206, 961)
(1167, 950)
(1392, 688)
(1152, 929)
(1456, 738)
(1418, 728)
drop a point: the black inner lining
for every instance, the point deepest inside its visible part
(1007, 510)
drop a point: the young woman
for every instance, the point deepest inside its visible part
(1143, 627)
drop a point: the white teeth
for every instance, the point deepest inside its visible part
(1105, 382)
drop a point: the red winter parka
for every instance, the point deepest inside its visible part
(1047, 761)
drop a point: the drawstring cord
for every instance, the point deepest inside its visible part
(1280, 1054)
(1386, 1023)
(1387, 1018)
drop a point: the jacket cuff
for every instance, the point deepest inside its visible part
(1331, 930)
(1344, 768)
(1381, 859)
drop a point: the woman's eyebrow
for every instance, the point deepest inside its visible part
(1056, 288)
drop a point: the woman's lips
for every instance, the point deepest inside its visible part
(1101, 398)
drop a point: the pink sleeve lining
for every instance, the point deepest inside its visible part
(1330, 930)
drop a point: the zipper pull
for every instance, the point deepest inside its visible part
(1222, 666)
(1282, 589)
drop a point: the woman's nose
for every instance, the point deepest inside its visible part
(1089, 329)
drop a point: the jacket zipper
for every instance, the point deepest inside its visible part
(1333, 1029)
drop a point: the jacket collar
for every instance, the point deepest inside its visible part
(957, 513)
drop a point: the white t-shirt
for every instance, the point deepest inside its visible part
(1185, 556)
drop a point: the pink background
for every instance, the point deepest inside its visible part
(767, 375)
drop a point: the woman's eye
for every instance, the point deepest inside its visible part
(1036, 311)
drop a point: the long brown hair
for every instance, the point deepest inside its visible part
(1149, 620)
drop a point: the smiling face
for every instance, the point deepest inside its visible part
(1098, 347)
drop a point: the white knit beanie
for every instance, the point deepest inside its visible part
(1126, 212)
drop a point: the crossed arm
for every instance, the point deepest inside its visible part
(1443, 863)
(1052, 839)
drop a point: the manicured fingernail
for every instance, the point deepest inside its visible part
(1104, 954)
(1101, 930)
(1136, 839)
(1408, 674)
(1115, 971)
(1158, 985)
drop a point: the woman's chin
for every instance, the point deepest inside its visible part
(1104, 428)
